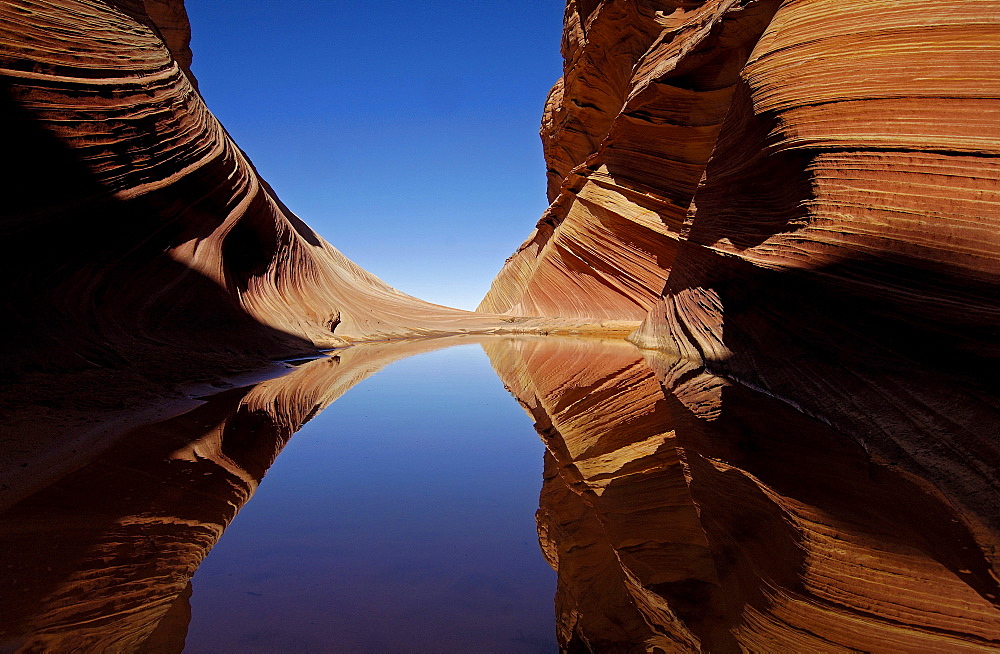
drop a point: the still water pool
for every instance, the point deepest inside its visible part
(418, 496)
(401, 517)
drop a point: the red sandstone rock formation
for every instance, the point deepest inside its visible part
(815, 132)
(843, 249)
(713, 518)
(817, 183)
(141, 248)
(627, 132)
(134, 228)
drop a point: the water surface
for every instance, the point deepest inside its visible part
(401, 518)
(395, 497)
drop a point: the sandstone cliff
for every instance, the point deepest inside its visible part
(828, 143)
(627, 132)
(803, 196)
(135, 229)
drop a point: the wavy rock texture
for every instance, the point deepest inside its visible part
(704, 516)
(817, 183)
(136, 227)
(101, 560)
(627, 133)
(843, 250)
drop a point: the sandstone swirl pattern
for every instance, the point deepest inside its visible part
(816, 185)
(627, 133)
(134, 226)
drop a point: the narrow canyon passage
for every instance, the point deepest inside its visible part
(679, 512)
(736, 391)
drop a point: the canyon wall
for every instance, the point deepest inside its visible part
(802, 196)
(829, 145)
(627, 132)
(137, 233)
(842, 252)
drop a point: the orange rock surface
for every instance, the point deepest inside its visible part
(686, 513)
(815, 184)
(829, 145)
(627, 133)
(842, 251)
(136, 228)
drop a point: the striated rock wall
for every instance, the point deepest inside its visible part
(816, 184)
(683, 512)
(842, 252)
(828, 144)
(860, 163)
(627, 132)
(136, 229)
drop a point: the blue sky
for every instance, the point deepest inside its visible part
(405, 133)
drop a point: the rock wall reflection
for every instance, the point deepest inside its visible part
(684, 513)
(681, 512)
(101, 560)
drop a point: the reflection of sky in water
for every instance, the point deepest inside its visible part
(400, 518)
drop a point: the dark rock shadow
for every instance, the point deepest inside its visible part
(748, 199)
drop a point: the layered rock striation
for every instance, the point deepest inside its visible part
(826, 147)
(816, 186)
(843, 249)
(142, 251)
(136, 230)
(627, 132)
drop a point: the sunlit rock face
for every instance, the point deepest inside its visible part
(627, 132)
(865, 156)
(101, 559)
(686, 513)
(135, 228)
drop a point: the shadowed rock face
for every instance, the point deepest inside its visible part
(136, 229)
(686, 513)
(101, 559)
(141, 248)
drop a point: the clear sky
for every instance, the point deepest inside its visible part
(405, 133)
